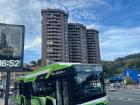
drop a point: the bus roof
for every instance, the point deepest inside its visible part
(31, 76)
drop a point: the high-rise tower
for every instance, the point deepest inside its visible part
(93, 50)
(77, 43)
(54, 36)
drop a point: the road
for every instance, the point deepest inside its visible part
(124, 97)
(118, 97)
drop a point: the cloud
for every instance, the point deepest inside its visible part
(32, 49)
(116, 42)
(28, 13)
(99, 14)
(95, 26)
(33, 44)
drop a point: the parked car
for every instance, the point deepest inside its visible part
(11, 90)
(112, 87)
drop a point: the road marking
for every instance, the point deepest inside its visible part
(130, 100)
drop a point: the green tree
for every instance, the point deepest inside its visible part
(39, 62)
(33, 63)
(129, 81)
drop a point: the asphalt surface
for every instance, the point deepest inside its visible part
(118, 97)
(124, 97)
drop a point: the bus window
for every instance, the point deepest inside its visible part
(27, 89)
(50, 88)
(16, 91)
(44, 88)
(27, 92)
(87, 84)
(65, 91)
(62, 91)
(59, 93)
(18, 87)
(38, 88)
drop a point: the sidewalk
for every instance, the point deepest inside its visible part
(1, 101)
(133, 86)
(10, 102)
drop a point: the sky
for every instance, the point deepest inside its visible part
(118, 22)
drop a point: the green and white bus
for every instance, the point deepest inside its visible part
(62, 84)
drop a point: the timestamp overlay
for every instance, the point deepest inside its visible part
(10, 63)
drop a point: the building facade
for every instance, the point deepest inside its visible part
(93, 50)
(77, 43)
(54, 36)
(67, 42)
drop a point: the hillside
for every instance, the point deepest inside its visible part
(119, 65)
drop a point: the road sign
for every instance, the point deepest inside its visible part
(11, 46)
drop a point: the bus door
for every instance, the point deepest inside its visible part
(62, 91)
(27, 92)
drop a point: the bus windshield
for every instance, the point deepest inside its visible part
(87, 82)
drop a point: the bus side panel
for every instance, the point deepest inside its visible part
(42, 100)
(38, 101)
(100, 101)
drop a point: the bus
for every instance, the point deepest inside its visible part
(62, 84)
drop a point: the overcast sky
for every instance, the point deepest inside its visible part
(117, 20)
